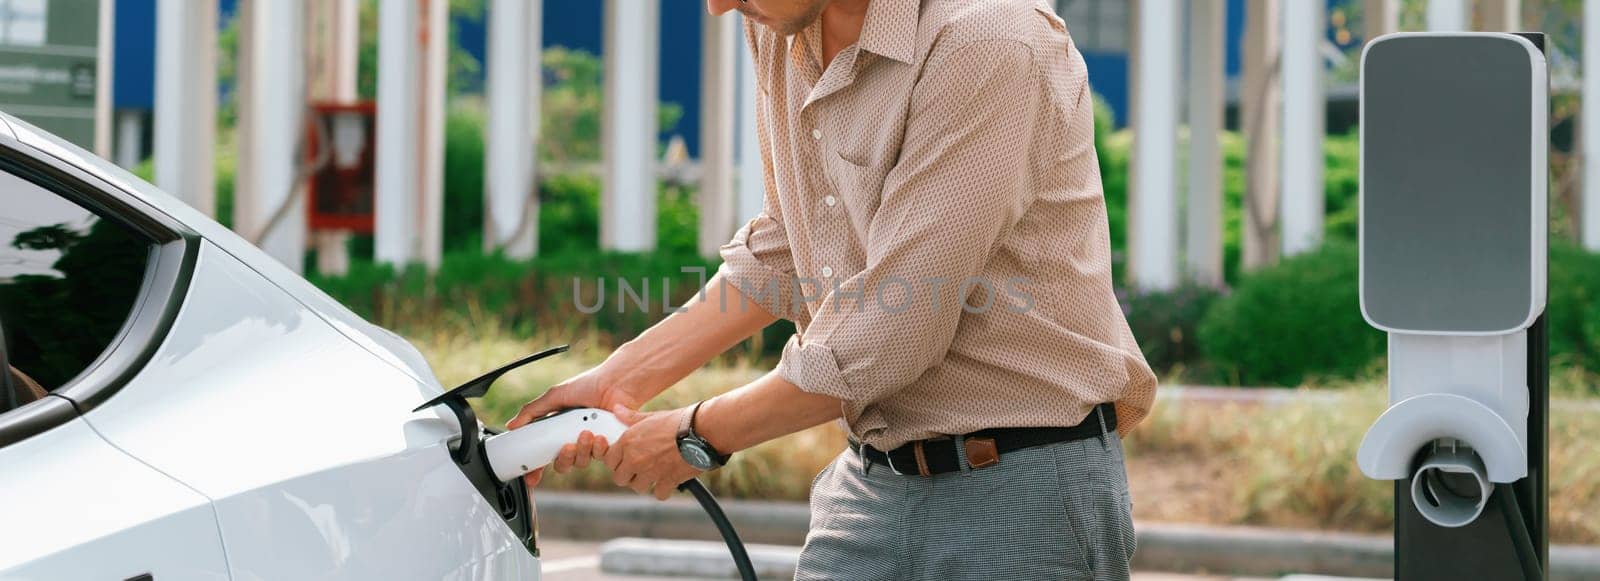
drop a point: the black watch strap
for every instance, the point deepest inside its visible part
(686, 430)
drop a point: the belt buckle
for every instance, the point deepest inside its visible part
(922, 463)
(890, 457)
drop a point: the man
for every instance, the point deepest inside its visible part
(934, 225)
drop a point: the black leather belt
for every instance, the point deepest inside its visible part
(983, 447)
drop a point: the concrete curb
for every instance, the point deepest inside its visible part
(632, 556)
(1243, 551)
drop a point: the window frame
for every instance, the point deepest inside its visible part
(173, 254)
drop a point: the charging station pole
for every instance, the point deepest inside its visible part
(1454, 149)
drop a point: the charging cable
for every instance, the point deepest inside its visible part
(741, 557)
(1521, 539)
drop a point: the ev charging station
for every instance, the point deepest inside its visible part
(1454, 141)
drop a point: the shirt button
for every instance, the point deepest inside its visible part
(830, 200)
(827, 271)
(816, 134)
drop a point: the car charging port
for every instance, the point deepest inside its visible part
(525, 449)
(508, 502)
(510, 497)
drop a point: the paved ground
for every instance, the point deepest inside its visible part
(580, 561)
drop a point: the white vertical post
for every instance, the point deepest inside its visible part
(186, 101)
(511, 222)
(752, 175)
(1207, 37)
(398, 133)
(1381, 17)
(717, 111)
(1449, 15)
(1259, 117)
(1154, 204)
(1589, 204)
(339, 44)
(435, 67)
(268, 210)
(347, 48)
(106, 21)
(1502, 15)
(1303, 107)
(130, 139)
(628, 126)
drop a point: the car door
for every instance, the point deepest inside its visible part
(77, 287)
(294, 418)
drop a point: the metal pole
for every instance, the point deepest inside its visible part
(1154, 205)
(1590, 119)
(272, 51)
(1303, 106)
(1207, 19)
(628, 190)
(435, 67)
(719, 52)
(1449, 15)
(398, 133)
(186, 101)
(752, 174)
(511, 222)
(1260, 115)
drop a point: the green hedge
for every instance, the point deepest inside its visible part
(1295, 321)
(1573, 307)
(1301, 320)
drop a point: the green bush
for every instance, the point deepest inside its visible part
(463, 176)
(1573, 307)
(1341, 180)
(1295, 321)
(1166, 325)
(1301, 320)
(1111, 149)
(569, 214)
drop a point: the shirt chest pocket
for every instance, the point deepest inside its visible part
(857, 187)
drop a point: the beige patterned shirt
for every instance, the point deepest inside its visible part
(934, 223)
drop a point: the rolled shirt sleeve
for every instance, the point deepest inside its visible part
(962, 179)
(759, 262)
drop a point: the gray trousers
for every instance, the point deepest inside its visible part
(1059, 511)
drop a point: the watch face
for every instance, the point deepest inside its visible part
(695, 455)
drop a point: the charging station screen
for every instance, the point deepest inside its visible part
(1448, 184)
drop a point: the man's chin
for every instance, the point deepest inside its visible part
(787, 27)
(781, 27)
(790, 28)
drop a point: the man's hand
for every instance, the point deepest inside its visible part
(646, 457)
(644, 367)
(589, 389)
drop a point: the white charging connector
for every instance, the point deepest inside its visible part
(530, 447)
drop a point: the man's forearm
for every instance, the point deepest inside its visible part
(673, 348)
(765, 409)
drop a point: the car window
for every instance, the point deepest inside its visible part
(68, 280)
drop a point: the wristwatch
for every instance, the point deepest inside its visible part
(695, 449)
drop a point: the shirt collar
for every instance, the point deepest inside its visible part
(890, 29)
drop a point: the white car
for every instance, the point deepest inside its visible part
(205, 413)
